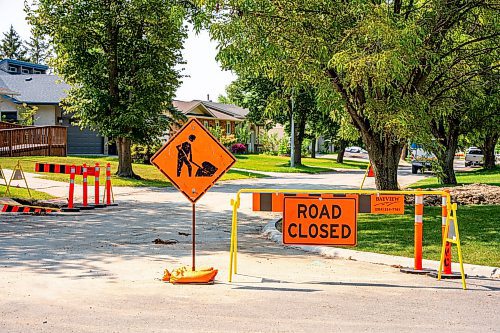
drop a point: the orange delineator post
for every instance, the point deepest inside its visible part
(97, 173)
(447, 252)
(85, 189)
(108, 185)
(71, 187)
(71, 207)
(419, 212)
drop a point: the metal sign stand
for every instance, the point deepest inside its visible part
(194, 235)
(18, 174)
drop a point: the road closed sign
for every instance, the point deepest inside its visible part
(320, 221)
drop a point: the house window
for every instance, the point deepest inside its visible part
(217, 124)
(37, 72)
(205, 123)
(228, 128)
(12, 69)
(9, 116)
(25, 71)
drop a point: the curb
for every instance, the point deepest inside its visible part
(273, 234)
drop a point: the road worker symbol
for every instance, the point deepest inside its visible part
(193, 160)
(185, 157)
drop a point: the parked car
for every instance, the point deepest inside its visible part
(355, 149)
(421, 160)
(474, 156)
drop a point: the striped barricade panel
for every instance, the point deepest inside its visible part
(273, 202)
(26, 209)
(62, 168)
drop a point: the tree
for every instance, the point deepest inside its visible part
(11, 45)
(120, 59)
(463, 92)
(267, 100)
(38, 49)
(378, 57)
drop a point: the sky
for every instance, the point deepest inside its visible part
(203, 74)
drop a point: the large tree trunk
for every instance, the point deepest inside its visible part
(404, 152)
(125, 158)
(446, 174)
(447, 138)
(299, 138)
(341, 152)
(384, 149)
(313, 147)
(489, 150)
(384, 152)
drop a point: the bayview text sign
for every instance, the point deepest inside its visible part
(320, 221)
(387, 204)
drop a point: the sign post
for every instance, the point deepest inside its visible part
(193, 160)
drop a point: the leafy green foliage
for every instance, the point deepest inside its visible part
(11, 45)
(385, 63)
(26, 114)
(120, 59)
(38, 49)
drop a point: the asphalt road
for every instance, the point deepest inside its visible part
(99, 271)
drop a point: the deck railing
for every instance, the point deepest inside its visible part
(6, 125)
(34, 141)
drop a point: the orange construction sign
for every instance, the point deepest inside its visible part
(193, 160)
(320, 221)
(387, 204)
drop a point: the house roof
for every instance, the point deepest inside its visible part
(214, 110)
(7, 91)
(25, 64)
(231, 109)
(35, 89)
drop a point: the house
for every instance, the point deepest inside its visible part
(225, 116)
(213, 115)
(27, 83)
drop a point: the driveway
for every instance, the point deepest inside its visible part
(99, 271)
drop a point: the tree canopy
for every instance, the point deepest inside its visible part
(11, 45)
(385, 62)
(120, 59)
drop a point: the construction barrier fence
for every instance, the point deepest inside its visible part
(272, 200)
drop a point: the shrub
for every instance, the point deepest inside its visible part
(269, 143)
(284, 146)
(142, 153)
(238, 148)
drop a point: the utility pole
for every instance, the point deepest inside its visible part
(292, 137)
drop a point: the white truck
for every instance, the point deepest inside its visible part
(474, 156)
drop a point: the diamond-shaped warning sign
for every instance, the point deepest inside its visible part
(193, 160)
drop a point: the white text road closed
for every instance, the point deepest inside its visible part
(320, 221)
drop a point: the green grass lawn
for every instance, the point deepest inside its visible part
(22, 193)
(150, 175)
(483, 176)
(393, 234)
(282, 164)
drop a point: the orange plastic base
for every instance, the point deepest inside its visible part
(184, 275)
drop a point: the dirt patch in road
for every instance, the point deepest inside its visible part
(472, 194)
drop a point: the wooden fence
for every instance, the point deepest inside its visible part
(33, 141)
(6, 125)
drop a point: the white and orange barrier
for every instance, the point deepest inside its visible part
(271, 200)
(84, 171)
